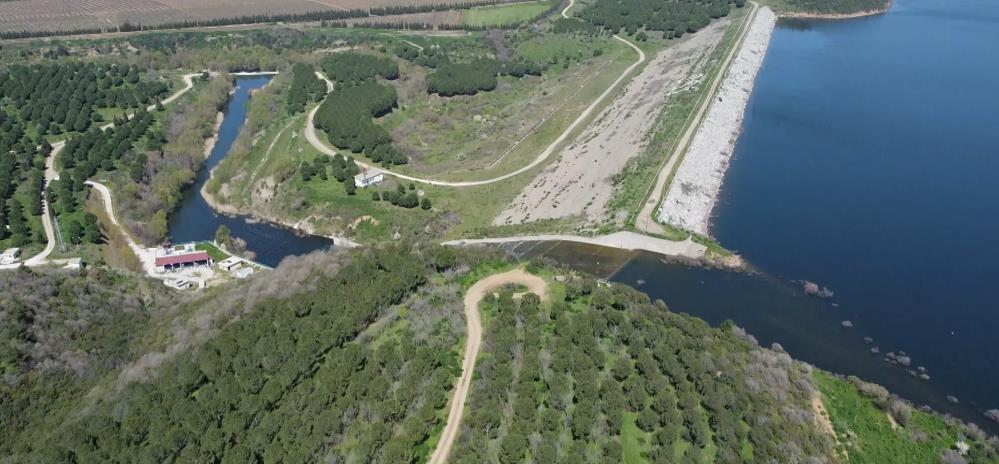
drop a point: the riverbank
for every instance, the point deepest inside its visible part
(694, 190)
(301, 226)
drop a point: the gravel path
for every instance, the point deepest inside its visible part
(694, 190)
(621, 240)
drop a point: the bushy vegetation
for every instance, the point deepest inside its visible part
(305, 87)
(165, 161)
(352, 67)
(480, 75)
(672, 18)
(875, 426)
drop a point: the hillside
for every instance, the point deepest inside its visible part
(352, 358)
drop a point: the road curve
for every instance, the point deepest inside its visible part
(645, 221)
(565, 12)
(313, 137)
(52, 174)
(473, 325)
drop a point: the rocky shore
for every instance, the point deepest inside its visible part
(695, 187)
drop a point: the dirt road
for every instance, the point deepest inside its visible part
(473, 324)
(313, 137)
(52, 174)
(579, 182)
(645, 221)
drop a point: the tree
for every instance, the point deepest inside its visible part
(91, 229)
(223, 236)
(425, 203)
(74, 230)
(350, 186)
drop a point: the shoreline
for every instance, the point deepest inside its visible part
(692, 194)
(833, 16)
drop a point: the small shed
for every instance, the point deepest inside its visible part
(230, 263)
(369, 177)
(10, 256)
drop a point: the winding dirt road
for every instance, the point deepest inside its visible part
(473, 325)
(52, 174)
(313, 137)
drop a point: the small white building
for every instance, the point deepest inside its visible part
(10, 256)
(369, 177)
(231, 263)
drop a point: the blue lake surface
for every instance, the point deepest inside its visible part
(869, 163)
(196, 220)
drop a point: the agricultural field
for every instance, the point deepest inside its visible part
(498, 15)
(51, 16)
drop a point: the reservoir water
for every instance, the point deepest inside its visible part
(196, 220)
(868, 163)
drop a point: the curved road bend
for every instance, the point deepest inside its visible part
(646, 221)
(52, 174)
(313, 137)
(473, 324)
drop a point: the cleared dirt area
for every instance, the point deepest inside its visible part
(65, 15)
(580, 183)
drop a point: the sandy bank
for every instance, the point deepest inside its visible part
(694, 190)
(687, 249)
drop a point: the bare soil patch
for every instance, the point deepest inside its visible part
(580, 183)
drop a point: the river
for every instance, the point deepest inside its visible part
(868, 164)
(196, 220)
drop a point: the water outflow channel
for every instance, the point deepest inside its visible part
(196, 220)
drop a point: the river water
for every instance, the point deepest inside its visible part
(868, 163)
(196, 220)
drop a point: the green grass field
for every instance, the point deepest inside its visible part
(866, 435)
(502, 15)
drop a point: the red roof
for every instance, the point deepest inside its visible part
(186, 258)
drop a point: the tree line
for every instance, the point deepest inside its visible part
(671, 18)
(65, 96)
(322, 15)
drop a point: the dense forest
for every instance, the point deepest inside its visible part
(351, 357)
(672, 18)
(305, 87)
(346, 116)
(351, 68)
(66, 99)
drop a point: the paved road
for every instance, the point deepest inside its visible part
(313, 137)
(473, 324)
(646, 220)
